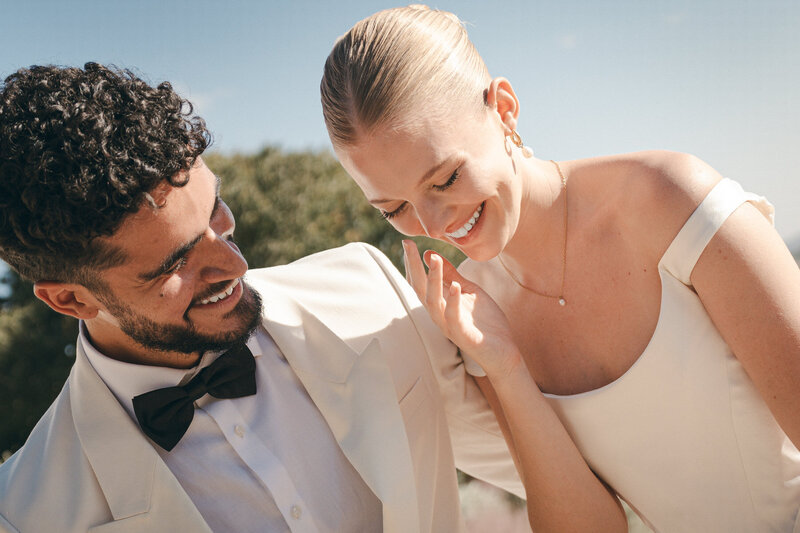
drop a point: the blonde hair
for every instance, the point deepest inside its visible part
(392, 62)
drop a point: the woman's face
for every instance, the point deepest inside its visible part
(449, 177)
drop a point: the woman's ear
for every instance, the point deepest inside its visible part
(67, 298)
(501, 98)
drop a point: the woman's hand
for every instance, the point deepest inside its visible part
(568, 496)
(463, 311)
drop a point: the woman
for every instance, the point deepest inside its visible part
(635, 318)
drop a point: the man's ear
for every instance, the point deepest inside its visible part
(502, 99)
(67, 298)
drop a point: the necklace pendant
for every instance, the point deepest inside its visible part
(562, 302)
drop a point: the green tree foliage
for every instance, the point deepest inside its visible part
(287, 205)
(36, 352)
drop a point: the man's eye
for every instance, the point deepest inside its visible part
(179, 264)
(391, 214)
(451, 180)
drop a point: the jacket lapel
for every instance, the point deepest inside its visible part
(355, 393)
(137, 485)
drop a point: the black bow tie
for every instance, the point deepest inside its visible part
(165, 414)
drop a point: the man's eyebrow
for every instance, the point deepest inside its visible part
(175, 256)
(171, 259)
(425, 177)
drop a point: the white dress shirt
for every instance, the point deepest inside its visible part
(266, 462)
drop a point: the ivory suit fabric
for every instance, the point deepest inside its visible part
(392, 389)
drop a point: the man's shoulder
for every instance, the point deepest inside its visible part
(357, 255)
(49, 473)
(356, 268)
(354, 290)
(32, 453)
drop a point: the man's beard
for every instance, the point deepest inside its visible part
(186, 338)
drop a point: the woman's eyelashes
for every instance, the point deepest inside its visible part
(391, 214)
(451, 180)
(444, 186)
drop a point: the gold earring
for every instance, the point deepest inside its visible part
(527, 152)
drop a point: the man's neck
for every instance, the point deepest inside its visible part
(109, 340)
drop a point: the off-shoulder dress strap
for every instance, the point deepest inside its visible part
(685, 249)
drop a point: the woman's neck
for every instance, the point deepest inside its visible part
(535, 253)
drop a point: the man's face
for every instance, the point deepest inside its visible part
(180, 289)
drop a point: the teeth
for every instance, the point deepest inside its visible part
(221, 296)
(463, 230)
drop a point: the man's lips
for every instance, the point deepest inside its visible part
(219, 294)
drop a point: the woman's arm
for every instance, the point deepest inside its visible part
(563, 492)
(750, 286)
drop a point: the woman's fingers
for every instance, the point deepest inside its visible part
(452, 313)
(415, 270)
(432, 287)
(433, 293)
(449, 273)
(405, 266)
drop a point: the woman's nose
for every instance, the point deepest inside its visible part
(433, 219)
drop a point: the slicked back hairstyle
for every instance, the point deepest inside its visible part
(390, 65)
(80, 149)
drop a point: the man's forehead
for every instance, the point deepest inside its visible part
(172, 216)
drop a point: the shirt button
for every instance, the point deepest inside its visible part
(239, 430)
(296, 512)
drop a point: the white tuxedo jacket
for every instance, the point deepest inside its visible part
(390, 386)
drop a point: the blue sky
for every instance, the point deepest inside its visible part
(717, 78)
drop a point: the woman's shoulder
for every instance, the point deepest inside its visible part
(655, 174)
(649, 195)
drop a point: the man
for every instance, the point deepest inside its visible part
(191, 406)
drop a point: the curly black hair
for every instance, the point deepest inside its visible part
(79, 151)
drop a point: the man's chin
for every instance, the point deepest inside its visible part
(188, 338)
(247, 316)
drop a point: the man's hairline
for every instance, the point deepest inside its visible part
(120, 257)
(117, 256)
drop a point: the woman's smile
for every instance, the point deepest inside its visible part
(467, 228)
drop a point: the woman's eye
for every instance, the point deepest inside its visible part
(451, 180)
(391, 214)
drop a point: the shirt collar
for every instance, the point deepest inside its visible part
(126, 380)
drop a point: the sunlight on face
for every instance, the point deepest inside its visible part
(184, 337)
(181, 289)
(446, 177)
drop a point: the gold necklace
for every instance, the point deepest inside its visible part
(560, 297)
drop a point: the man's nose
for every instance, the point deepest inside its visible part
(223, 259)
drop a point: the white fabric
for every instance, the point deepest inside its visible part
(387, 382)
(683, 436)
(241, 456)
